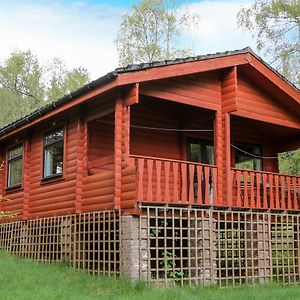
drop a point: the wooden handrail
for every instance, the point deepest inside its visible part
(171, 160)
(264, 172)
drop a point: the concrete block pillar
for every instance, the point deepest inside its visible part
(259, 260)
(203, 251)
(134, 249)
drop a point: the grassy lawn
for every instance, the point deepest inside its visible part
(24, 279)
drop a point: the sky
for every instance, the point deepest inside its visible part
(82, 32)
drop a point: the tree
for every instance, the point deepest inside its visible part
(276, 26)
(25, 85)
(150, 31)
(289, 162)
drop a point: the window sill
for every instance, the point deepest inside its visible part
(52, 179)
(13, 189)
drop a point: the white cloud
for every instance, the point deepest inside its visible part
(80, 34)
(218, 30)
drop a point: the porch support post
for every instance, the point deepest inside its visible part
(26, 181)
(218, 137)
(118, 151)
(228, 105)
(126, 135)
(227, 162)
(2, 172)
(81, 159)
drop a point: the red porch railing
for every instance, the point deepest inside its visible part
(266, 190)
(163, 180)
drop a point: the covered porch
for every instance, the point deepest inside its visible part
(163, 152)
(257, 176)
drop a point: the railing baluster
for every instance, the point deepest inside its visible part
(271, 176)
(258, 191)
(140, 184)
(215, 187)
(238, 189)
(277, 201)
(183, 182)
(265, 197)
(252, 191)
(167, 181)
(206, 175)
(191, 183)
(150, 180)
(295, 202)
(245, 179)
(158, 181)
(282, 187)
(199, 187)
(230, 201)
(175, 175)
(288, 190)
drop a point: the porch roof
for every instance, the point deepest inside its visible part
(149, 71)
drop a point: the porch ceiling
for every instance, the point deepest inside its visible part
(267, 130)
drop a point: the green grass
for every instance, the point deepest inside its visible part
(24, 279)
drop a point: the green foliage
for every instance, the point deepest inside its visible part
(276, 26)
(148, 33)
(25, 85)
(289, 162)
(169, 265)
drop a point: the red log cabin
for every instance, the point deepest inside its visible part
(200, 131)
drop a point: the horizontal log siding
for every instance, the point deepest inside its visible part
(202, 90)
(252, 100)
(57, 197)
(128, 181)
(98, 192)
(101, 144)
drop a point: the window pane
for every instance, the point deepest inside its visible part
(53, 159)
(53, 137)
(209, 154)
(194, 152)
(15, 172)
(15, 152)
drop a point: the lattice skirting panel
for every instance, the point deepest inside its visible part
(207, 246)
(167, 245)
(88, 241)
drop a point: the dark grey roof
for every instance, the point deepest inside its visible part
(155, 64)
(112, 75)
